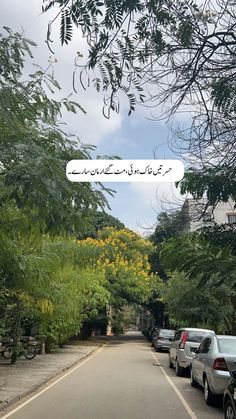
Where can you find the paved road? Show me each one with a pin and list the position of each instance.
(121, 381)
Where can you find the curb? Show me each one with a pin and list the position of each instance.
(7, 403)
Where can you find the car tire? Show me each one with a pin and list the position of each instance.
(7, 353)
(210, 398)
(229, 410)
(178, 369)
(193, 382)
(170, 363)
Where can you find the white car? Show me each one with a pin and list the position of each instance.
(182, 350)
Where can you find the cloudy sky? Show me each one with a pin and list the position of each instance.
(133, 137)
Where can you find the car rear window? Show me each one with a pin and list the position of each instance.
(227, 346)
(166, 332)
(197, 336)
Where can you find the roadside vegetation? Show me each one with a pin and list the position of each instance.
(60, 269)
(198, 275)
(54, 276)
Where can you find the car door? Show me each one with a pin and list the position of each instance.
(201, 358)
(174, 345)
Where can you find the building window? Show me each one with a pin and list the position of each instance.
(232, 218)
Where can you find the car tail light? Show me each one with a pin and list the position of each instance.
(220, 364)
(184, 339)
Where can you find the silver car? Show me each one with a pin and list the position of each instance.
(162, 339)
(185, 343)
(215, 357)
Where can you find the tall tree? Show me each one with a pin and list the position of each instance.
(34, 150)
(132, 42)
(123, 258)
(183, 52)
(207, 261)
(36, 199)
(168, 225)
(99, 220)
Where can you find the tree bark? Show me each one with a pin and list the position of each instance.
(16, 332)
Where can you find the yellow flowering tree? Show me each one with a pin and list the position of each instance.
(122, 257)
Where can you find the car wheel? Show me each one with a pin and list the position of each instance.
(170, 363)
(7, 353)
(229, 411)
(209, 397)
(193, 382)
(178, 369)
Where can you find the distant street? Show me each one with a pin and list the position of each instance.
(121, 381)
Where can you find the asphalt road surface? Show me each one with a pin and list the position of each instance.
(126, 379)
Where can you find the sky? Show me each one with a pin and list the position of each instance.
(129, 137)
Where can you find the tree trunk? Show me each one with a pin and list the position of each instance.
(16, 332)
(233, 329)
(108, 313)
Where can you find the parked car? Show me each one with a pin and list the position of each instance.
(162, 339)
(182, 350)
(211, 366)
(229, 402)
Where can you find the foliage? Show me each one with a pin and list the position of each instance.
(98, 221)
(38, 202)
(58, 289)
(168, 225)
(34, 151)
(123, 257)
(77, 294)
(136, 42)
(119, 321)
(177, 56)
(205, 306)
(208, 264)
(223, 235)
(102, 220)
(198, 257)
(216, 183)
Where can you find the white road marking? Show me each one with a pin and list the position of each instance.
(185, 404)
(50, 385)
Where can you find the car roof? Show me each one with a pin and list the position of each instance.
(169, 330)
(196, 329)
(225, 336)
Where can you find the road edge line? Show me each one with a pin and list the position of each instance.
(182, 399)
(61, 375)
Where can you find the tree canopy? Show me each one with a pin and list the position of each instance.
(123, 257)
(37, 203)
(34, 149)
(202, 264)
(176, 56)
(172, 45)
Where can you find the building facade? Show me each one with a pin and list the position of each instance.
(199, 215)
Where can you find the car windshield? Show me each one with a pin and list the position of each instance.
(197, 336)
(167, 332)
(227, 346)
